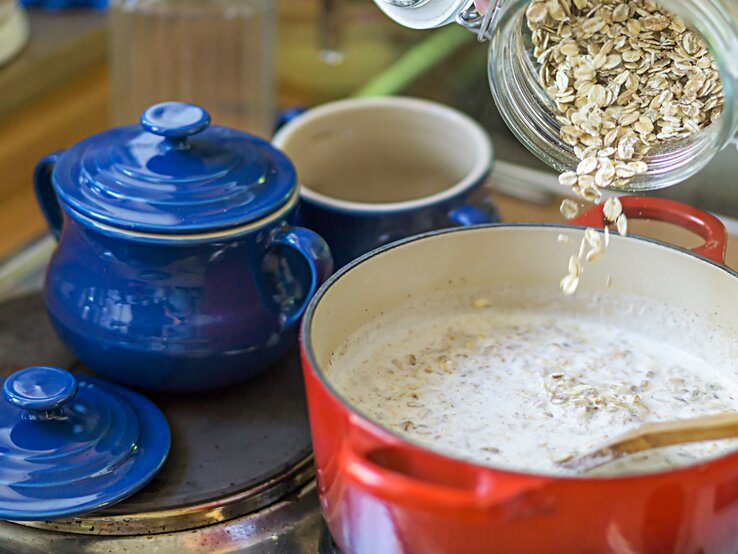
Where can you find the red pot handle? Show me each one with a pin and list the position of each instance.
(707, 226)
(404, 489)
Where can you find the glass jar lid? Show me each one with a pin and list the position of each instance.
(72, 446)
(174, 174)
(422, 14)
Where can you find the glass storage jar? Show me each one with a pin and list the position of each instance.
(214, 53)
(531, 114)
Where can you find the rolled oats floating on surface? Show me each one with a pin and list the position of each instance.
(626, 76)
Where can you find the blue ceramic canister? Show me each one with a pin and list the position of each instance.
(178, 267)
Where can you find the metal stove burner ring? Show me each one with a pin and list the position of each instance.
(188, 517)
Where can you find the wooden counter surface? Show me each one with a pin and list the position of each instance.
(74, 111)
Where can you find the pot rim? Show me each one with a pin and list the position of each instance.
(315, 368)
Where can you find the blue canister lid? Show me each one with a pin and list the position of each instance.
(174, 173)
(71, 446)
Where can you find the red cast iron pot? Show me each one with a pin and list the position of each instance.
(381, 494)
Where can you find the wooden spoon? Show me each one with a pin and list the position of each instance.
(656, 435)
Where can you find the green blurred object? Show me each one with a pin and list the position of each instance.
(416, 61)
(364, 43)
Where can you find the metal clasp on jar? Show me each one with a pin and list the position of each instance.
(478, 23)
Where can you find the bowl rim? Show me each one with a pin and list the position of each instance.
(422, 108)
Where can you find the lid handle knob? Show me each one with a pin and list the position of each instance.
(41, 390)
(175, 121)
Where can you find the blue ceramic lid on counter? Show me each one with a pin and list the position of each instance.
(72, 446)
(174, 174)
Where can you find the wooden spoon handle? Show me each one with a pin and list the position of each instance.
(668, 433)
(657, 435)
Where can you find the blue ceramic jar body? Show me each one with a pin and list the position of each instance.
(177, 267)
(180, 315)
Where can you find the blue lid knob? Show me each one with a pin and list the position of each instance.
(40, 388)
(175, 120)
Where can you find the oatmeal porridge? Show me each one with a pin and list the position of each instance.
(526, 387)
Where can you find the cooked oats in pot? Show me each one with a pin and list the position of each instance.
(522, 388)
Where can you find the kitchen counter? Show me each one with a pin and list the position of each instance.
(80, 107)
(62, 46)
(51, 122)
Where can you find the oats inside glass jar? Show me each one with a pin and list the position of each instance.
(625, 78)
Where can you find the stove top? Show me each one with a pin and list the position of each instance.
(327, 545)
(240, 470)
